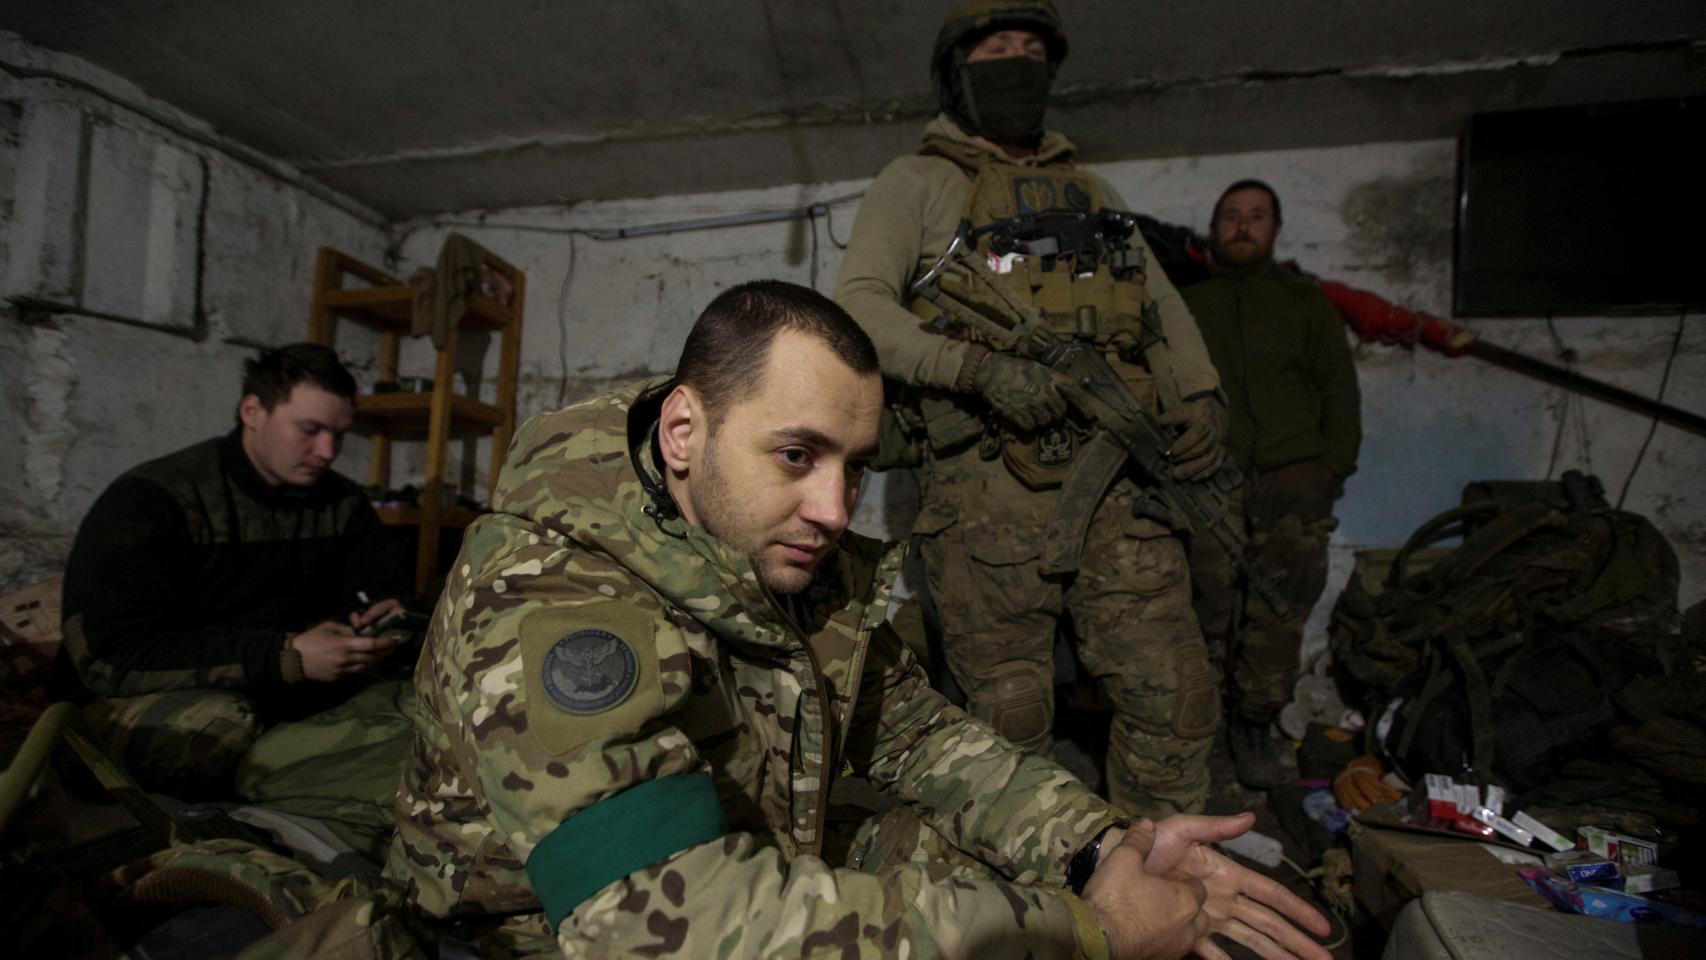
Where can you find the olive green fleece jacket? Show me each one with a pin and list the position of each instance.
(1285, 366)
(907, 219)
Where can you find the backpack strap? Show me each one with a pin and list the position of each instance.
(1444, 525)
(1481, 734)
(1498, 535)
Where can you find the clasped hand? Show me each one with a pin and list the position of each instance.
(331, 649)
(1161, 891)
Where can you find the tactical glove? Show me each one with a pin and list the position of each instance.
(1022, 391)
(1198, 451)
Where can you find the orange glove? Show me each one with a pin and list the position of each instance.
(1359, 786)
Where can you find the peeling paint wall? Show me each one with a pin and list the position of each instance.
(141, 261)
(1378, 216)
(126, 320)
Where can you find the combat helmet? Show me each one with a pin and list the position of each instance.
(970, 21)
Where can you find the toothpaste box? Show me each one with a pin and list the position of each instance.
(1442, 796)
(1506, 829)
(1645, 878)
(1495, 799)
(1616, 846)
(1581, 866)
(1542, 832)
(1472, 826)
(1468, 798)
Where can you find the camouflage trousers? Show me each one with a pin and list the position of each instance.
(1288, 515)
(186, 743)
(983, 533)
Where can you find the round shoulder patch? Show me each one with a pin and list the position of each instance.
(589, 671)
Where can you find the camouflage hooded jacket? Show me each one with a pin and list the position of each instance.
(671, 799)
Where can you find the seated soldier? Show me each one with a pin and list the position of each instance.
(230, 584)
(659, 653)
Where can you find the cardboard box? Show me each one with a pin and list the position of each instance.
(1393, 867)
(1582, 866)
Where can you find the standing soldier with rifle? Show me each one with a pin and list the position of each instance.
(1031, 512)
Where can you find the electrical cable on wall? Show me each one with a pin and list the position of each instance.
(829, 227)
(811, 224)
(1652, 428)
(563, 323)
(1568, 356)
(809, 213)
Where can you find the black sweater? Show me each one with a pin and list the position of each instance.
(190, 571)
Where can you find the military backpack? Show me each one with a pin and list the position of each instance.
(1504, 658)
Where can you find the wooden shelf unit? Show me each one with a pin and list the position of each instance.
(384, 304)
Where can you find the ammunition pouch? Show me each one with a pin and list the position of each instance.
(1052, 241)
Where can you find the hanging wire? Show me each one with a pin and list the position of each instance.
(1568, 356)
(809, 213)
(1583, 437)
(829, 226)
(1652, 428)
(811, 224)
(1563, 407)
(563, 323)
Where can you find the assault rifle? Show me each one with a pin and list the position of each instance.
(1096, 392)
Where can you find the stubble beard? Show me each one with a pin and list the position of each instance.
(1249, 252)
(715, 504)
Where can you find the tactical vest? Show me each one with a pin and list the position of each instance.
(1101, 301)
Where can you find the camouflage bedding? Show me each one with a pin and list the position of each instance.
(340, 766)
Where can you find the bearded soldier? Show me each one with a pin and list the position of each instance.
(1006, 474)
(1295, 429)
(656, 658)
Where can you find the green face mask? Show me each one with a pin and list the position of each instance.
(1005, 98)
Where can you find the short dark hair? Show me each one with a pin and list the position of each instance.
(272, 375)
(1247, 184)
(724, 356)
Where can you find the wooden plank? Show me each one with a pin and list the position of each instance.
(379, 458)
(409, 415)
(432, 500)
(392, 308)
(348, 264)
(386, 309)
(321, 328)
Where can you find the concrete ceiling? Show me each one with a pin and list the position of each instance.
(418, 107)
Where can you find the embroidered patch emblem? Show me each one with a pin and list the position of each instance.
(589, 671)
(1054, 447)
(1033, 194)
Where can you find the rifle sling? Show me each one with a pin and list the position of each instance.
(1100, 461)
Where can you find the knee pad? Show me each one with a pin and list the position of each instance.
(1171, 692)
(1020, 702)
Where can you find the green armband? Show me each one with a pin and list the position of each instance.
(630, 831)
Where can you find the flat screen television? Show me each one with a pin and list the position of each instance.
(1582, 210)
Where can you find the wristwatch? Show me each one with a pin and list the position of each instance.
(1083, 863)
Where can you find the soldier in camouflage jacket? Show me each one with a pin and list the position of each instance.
(632, 711)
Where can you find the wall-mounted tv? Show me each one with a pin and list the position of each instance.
(1582, 210)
